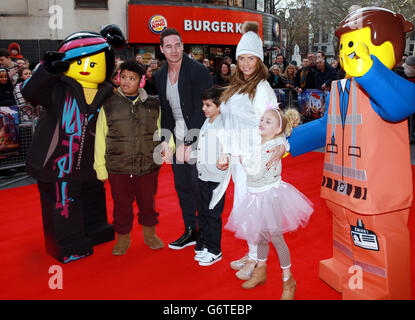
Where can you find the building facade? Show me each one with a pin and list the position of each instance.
(40, 25)
(209, 28)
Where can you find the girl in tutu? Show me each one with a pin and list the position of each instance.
(271, 207)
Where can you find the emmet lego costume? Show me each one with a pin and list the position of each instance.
(70, 85)
(367, 179)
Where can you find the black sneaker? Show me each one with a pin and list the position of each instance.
(187, 239)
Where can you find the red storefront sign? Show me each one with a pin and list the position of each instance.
(196, 25)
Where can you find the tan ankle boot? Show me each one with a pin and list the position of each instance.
(288, 289)
(259, 276)
(123, 243)
(151, 239)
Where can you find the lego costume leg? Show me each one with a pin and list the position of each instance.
(63, 221)
(95, 212)
(386, 271)
(371, 255)
(334, 271)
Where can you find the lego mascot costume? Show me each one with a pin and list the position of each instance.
(367, 179)
(70, 85)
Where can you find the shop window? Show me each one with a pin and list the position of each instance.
(91, 4)
(220, 2)
(250, 4)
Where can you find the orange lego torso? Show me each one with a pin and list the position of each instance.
(367, 166)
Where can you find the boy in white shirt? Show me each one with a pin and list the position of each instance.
(208, 244)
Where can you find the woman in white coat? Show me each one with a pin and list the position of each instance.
(242, 106)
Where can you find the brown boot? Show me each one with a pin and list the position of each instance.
(123, 243)
(151, 239)
(259, 276)
(288, 289)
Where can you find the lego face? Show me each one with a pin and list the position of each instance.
(88, 70)
(351, 63)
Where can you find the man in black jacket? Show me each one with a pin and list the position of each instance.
(180, 83)
(324, 75)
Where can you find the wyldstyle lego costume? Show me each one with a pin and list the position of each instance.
(367, 179)
(70, 85)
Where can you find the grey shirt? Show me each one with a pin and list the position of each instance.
(172, 94)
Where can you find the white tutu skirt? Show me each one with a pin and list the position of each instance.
(275, 211)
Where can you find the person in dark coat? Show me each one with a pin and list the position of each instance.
(6, 89)
(180, 83)
(275, 79)
(324, 75)
(223, 75)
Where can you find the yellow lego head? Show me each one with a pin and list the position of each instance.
(88, 70)
(371, 31)
(90, 54)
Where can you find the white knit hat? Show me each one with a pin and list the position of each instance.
(250, 42)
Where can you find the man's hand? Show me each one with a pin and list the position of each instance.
(183, 153)
(166, 152)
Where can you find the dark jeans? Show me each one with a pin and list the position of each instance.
(187, 188)
(210, 221)
(126, 188)
(74, 216)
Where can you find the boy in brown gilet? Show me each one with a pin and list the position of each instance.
(124, 154)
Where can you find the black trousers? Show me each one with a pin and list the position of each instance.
(210, 220)
(187, 188)
(74, 216)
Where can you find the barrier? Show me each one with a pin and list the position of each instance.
(17, 125)
(310, 103)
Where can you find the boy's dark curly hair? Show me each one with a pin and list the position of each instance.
(133, 66)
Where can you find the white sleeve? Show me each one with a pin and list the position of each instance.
(264, 95)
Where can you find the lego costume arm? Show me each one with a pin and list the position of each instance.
(309, 136)
(392, 97)
(39, 87)
(100, 146)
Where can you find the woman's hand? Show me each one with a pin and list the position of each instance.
(278, 152)
(223, 162)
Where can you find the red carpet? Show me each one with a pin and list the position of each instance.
(164, 274)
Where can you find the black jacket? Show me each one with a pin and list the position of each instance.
(194, 78)
(325, 77)
(63, 143)
(309, 78)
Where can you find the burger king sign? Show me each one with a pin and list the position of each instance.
(157, 23)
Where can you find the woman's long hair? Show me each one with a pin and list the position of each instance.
(238, 84)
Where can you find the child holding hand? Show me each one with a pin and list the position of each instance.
(271, 207)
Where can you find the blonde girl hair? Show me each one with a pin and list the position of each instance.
(290, 118)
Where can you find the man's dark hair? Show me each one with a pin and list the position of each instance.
(133, 66)
(4, 53)
(169, 32)
(213, 94)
